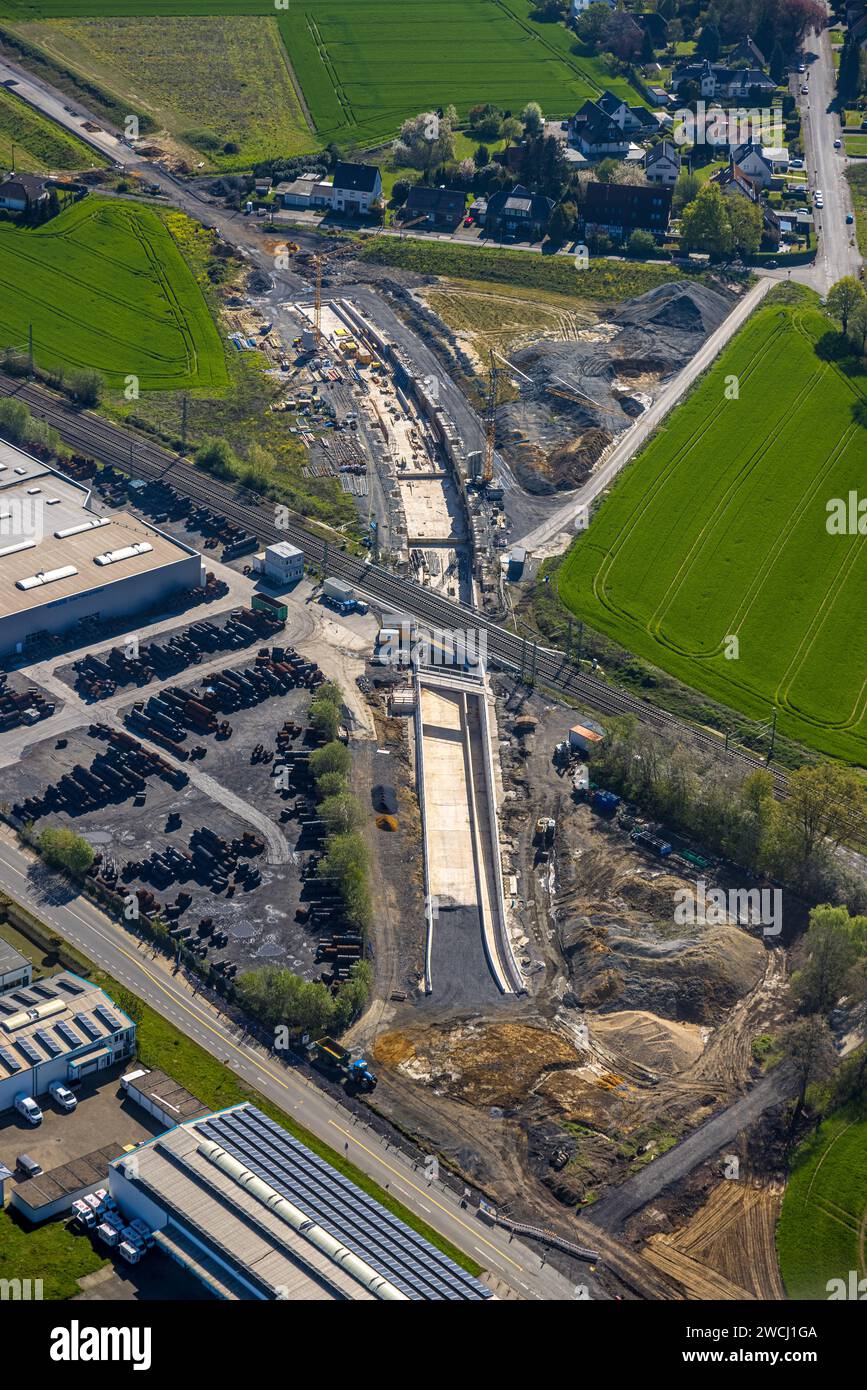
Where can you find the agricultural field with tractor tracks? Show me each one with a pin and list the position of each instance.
(712, 557)
(108, 289)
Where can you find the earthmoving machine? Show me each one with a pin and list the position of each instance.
(331, 1056)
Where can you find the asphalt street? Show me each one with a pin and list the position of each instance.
(838, 251)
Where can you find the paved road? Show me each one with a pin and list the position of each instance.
(722, 1129)
(838, 251)
(566, 518)
(60, 109)
(148, 976)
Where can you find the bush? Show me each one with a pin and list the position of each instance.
(341, 813)
(66, 850)
(333, 757)
(86, 387)
(641, 243)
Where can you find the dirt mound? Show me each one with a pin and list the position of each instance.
(686, 307)
(655, 1042)
(571, 402)
(483, 1064)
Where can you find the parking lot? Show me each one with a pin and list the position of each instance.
(101, 1117)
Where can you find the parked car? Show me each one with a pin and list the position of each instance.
(838, 144)
(805, 90)
(849, 219)
(62, 1095)
(28, 1166)
(796, 164)
(802, 67)
(27, 1107)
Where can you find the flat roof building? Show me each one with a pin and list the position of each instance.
(255, 1214)
(62, 561)
(15, 969)
(59, 1029)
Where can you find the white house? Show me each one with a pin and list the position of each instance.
(579, 6)
(662, 164)
(21, 192)
(355, 187)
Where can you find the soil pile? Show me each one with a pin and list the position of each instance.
(581, 394)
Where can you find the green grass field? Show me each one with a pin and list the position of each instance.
(365, 65)
(718, 530)
(217, 89)
(106, 287)
(40, 146)
(821, 1230)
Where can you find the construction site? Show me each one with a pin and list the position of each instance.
(618, 1035)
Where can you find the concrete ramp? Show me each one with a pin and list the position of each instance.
(468, 940)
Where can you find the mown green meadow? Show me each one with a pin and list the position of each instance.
(820, 1233)
(107, 288)
(718, 531)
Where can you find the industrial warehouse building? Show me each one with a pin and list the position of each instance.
(60, 1029)
(62, 563)
(254, 1214)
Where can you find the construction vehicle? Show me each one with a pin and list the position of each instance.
(331, 1056)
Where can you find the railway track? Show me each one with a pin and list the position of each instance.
(140, 458)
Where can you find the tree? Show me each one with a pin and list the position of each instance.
(561, 222)
(745, 220)
(425, 142)
(623, 36)
(858, 326)
(777, 62)
(341, 813)
(345, 865)
(648, 52)
(590, 26)
(217, 457)
(809, 1047)
(843, 299)
(332, 757)
(705, 224)
(324, 717)
(87, 388)
(532, 119)
(826, 804)
(66, 850)
(482, 156)
(330, 784)
(685, 189)
(641, 243)
(832, 946)
(708, 44)
(277, 997)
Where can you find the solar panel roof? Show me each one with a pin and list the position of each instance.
(50, 1043)
(357, 1220)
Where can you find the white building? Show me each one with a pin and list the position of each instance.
(62, 1028)
(255, 1214)
(15, 969)
(662, 164)
(579, 6)
(62, 563)
(283, 563)
(356, 187)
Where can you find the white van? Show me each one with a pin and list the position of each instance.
(26, 1106)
